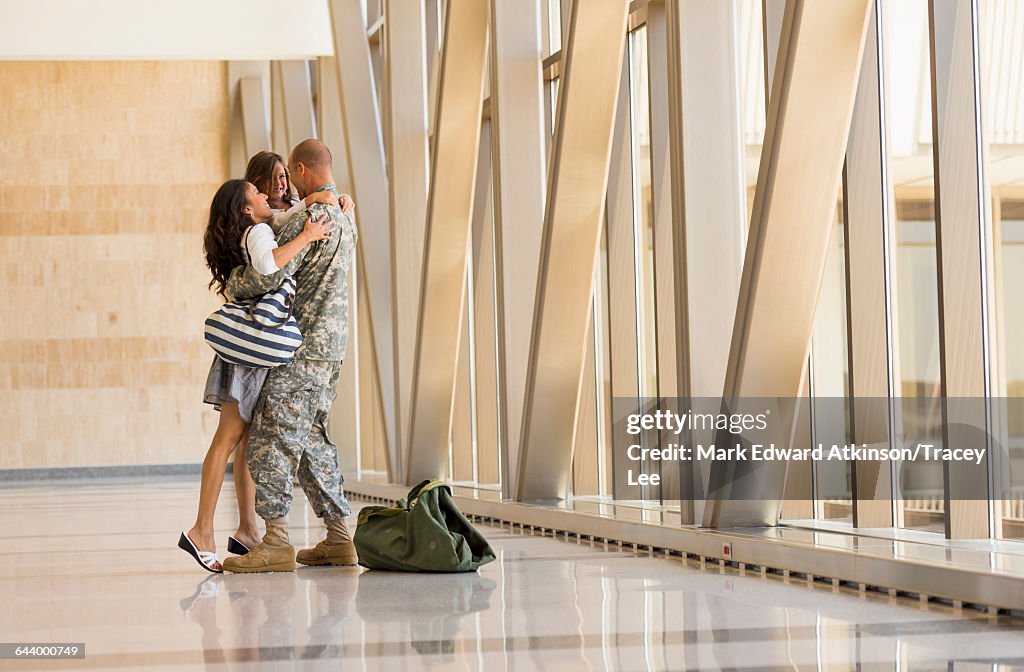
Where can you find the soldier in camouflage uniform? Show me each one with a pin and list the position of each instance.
(288, 435)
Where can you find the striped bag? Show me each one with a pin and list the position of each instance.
(261, 333)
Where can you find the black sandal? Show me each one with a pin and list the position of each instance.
(236, 547)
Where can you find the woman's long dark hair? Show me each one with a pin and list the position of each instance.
(260, 172)
(223, 237)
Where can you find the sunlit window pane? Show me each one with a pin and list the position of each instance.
(916, 302)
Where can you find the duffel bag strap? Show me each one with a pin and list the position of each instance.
(425, 486)
(369, 512)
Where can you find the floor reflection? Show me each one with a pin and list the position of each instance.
(117, 582)
(200, 608)
(428, 608)
(335, 590)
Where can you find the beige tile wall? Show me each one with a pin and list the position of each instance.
(106, 174)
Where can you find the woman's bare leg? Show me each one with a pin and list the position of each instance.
(230, 430)
(248, 531)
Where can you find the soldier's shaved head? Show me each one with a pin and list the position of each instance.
(310, 166)
(311, 153)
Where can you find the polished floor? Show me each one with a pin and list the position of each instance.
(96, 562)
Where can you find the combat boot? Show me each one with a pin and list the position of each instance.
(274, 554)
(336, 549)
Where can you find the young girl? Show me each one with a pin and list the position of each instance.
(239, 215)
(268, 172)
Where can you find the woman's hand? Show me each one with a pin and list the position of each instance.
(318, 229)
(325, 197)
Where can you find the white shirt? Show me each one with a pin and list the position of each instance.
(260, 243)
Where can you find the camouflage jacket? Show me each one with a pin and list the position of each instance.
(321, 271)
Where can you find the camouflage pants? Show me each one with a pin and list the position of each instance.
(288, 435)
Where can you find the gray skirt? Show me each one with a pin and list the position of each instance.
(229, 382)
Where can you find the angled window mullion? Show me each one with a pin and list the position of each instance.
(297, 101)
(255, 120)
(518, 139)
(577, 181)
(620, 235)
(353, 72)
(453, 166)
(794, 207)
(964, 249)
(708, 207)
(868, 203)
(486, 396)
(405, 133)
(344, 420)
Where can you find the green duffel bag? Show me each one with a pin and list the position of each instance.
(425, 533)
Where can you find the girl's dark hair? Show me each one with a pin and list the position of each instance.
(260, 172)
(223, 237)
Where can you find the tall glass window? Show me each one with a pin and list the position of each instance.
(643, 214)
(1001, 24)
(752, 91)
(1009, 431)
(916, 304)
(552, 23)
(830, 384)
(377, 52)
(625, 336)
